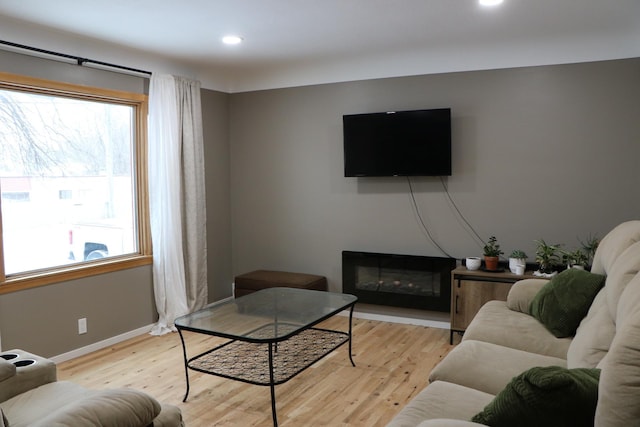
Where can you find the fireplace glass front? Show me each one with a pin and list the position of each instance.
(398, 280)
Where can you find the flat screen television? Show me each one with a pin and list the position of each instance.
(402, 143)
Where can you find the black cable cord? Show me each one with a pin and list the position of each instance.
(453, 203)
(424, 227)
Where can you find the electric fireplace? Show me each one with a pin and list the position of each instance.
(398, 280)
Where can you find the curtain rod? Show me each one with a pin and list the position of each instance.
(79, 60)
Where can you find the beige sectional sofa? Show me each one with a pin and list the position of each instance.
(30, 395)
(504, 340)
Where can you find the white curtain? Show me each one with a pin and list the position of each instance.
(177, 199)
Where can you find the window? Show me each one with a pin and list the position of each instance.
(73, 181)
(19, 196)
(64, 194)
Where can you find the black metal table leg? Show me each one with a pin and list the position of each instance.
(186, 364)
(272, 386)
(350, 327)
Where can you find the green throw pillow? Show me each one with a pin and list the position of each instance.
(564, 301)
(548, 396)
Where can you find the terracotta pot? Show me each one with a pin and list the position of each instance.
(491, 262)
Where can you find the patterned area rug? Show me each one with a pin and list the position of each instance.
(249, 362)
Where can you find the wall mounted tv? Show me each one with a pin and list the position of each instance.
(399, 143)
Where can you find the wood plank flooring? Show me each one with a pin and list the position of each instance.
(392, 360)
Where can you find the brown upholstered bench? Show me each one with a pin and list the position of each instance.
(261, 279)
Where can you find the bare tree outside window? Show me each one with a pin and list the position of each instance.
(67, 180)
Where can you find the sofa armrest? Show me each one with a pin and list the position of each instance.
(7, 370)
(522, 293)
(31, 371)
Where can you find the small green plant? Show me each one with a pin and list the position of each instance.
(575, 258)
(492, 248)
(517, 253)
(589, 247)
(547, 256)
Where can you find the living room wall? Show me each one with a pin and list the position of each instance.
(546, 152)
(43, 320)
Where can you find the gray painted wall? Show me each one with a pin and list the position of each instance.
(41, 68)
(215, 117)
(547, 152)
(44, 320)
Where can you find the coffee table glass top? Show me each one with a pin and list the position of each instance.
(268, 315)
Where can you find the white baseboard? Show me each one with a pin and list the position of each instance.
(112, 341)
(407, 316)
(101, 344)
(146, 329)
(399, 319)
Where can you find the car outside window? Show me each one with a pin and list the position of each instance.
(72, 178)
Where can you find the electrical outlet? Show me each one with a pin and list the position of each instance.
(82, 326)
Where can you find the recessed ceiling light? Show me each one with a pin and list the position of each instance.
(490, 2)
(232, 40)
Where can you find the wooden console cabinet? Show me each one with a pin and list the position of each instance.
(471, 289)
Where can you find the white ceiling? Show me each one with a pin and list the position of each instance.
(297, 42)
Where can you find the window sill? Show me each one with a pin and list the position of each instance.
(36, 279)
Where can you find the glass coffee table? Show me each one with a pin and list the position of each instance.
(272, 335)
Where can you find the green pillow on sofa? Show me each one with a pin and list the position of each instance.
(548, 396)
(564, 301)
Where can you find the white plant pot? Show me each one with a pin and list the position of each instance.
(515, 262)
(473, 263)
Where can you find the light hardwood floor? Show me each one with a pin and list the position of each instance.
(392, 360)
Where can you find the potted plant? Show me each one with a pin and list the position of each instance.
(547, 257)
(575, 259)
(589, 247)
(517, 257)
(492, 253)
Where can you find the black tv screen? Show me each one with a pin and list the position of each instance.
(402, 143)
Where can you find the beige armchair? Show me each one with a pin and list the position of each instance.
(30, 395)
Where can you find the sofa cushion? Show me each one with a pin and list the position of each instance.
(120, 407)
(613, 244)
(170, 416)
(610, 308)
(441, 422)
(522, 293)
(487, 367)
(620, 379)
(564, 301)
(496, 324)
(441, 400)
(593, 337)
(624, 270)
(63, 403)
(545, 396)
(36, 403)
